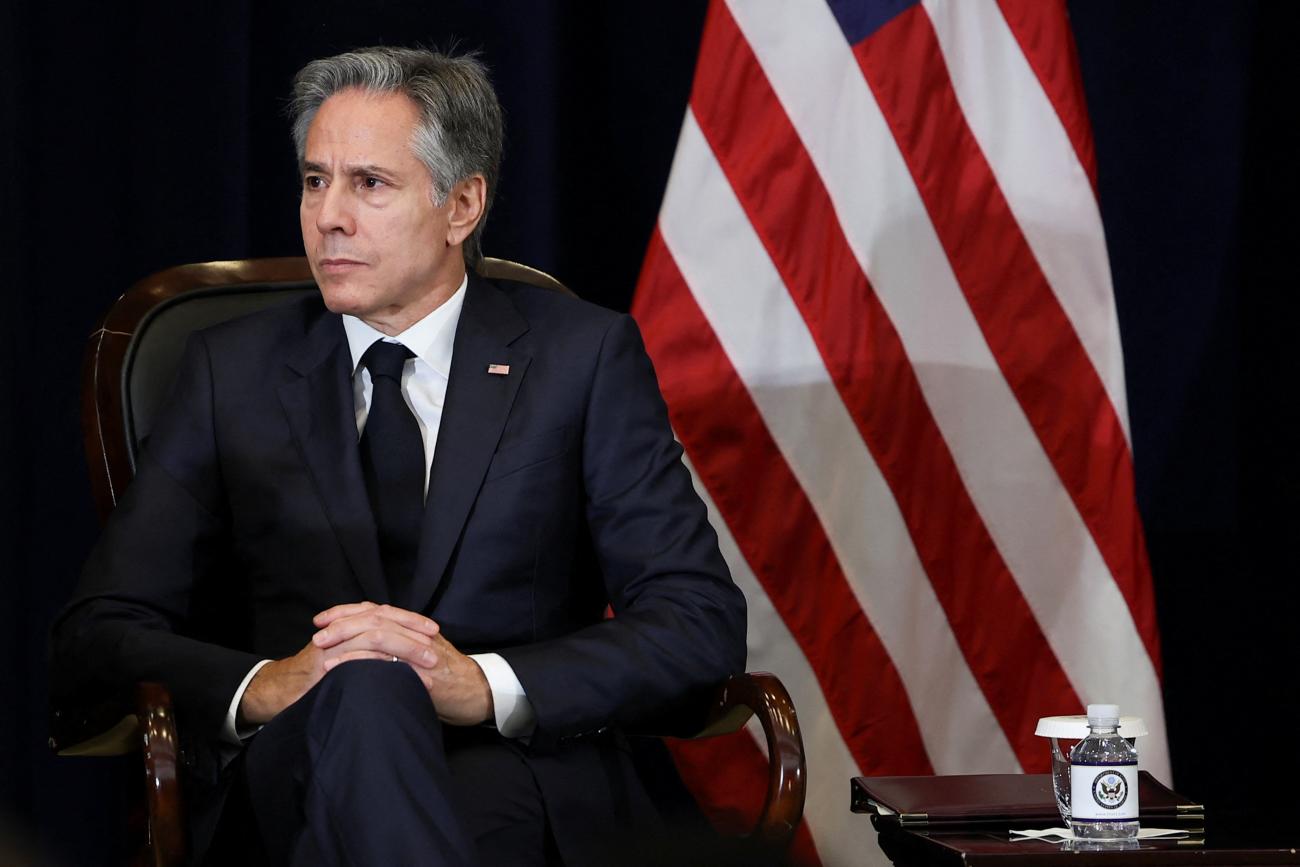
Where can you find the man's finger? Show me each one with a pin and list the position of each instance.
(425, 677)
(333, 662)
(387, 642)
(409, 619)
(329, 615)
(348, 628)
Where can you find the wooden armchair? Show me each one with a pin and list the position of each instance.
(129, 361)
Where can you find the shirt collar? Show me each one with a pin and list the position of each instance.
(430, 339)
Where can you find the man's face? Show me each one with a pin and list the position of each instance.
(377, 243)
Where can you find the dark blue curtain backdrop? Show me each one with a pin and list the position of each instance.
(138, 136)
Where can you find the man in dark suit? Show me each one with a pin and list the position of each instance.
(372, 539)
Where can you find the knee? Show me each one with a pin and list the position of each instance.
(370, 685)
(373, 702)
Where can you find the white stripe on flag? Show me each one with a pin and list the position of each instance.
(837, 833)
(759, 327)
(1039, 173)
(1029, 514)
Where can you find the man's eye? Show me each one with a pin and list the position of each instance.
(372, 183)
(313, 182)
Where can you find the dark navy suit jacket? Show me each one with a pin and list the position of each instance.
(555, 490)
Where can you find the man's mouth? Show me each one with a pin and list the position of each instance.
(340, 265)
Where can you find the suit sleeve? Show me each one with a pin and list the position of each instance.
(679, 624)
(137, 591)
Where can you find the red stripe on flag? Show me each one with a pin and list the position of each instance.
(1042, 29)
(1030, 336)
(774, 523)
(728, 777)
(763, 159)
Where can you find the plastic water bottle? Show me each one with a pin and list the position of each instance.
(1103, 780)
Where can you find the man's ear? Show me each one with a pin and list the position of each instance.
(465, 204)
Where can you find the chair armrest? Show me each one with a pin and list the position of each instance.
(763, 695)
(162, 773)
(147, 726)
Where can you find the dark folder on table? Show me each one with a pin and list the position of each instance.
(1000, 801)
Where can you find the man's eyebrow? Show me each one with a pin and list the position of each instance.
(367, 169)
(370, 169)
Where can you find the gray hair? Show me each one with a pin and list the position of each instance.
(460, 127)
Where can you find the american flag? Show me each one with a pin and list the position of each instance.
(879, 304)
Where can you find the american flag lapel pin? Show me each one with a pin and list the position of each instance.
(499, 369)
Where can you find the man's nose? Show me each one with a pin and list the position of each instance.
(335, 214)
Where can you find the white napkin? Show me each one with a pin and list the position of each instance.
(1067, 834)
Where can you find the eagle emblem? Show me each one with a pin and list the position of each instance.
(1110, 790)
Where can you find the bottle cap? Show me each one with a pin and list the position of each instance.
(1106, 715)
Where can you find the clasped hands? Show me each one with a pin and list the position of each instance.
(364, 630)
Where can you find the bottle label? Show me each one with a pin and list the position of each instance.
(1103, 793)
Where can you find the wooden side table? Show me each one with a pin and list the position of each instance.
(908, 848)
(935, 821)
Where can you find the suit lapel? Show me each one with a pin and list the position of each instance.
(474, 415)
(318, 402)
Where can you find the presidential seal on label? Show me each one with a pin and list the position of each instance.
(1103, 793)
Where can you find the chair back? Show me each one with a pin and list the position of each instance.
(131, 357)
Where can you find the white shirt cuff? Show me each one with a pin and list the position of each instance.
(513, 712)
(232, 732)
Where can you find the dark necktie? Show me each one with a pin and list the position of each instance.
(392, 459)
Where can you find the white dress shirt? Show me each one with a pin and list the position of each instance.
(424, 385)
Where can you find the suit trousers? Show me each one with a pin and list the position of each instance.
(361, 771)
